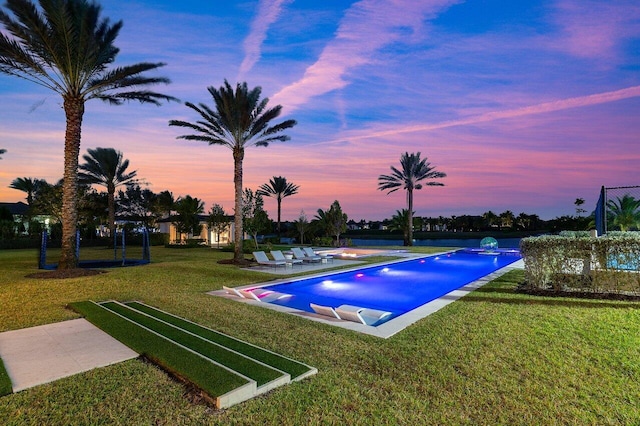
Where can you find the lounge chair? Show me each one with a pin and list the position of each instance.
(261, 295)
(277, 255)
(324, 310)
(262, 259)
(232, 291)
(299, 254)
(308, 251)
(362, 315)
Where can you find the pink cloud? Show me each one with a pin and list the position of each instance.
(594, 29)
(268, 12)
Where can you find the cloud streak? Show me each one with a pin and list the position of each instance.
(268, 12)
(577, 102)
(367, 26)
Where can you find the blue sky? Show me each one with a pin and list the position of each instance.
(525, 105)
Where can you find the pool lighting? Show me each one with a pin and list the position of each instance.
(359, 275)
(327, 282)
(385, 269)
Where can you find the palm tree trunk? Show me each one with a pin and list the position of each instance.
(111, 206)
(279, 210)
(410, 216)
(74, 110)
(238, 237)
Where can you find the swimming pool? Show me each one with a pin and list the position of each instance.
(397, 287)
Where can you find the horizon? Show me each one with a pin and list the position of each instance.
(525, 107)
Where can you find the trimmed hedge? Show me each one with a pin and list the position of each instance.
(608, 264)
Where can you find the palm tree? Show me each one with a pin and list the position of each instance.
(105, 167)
(279, 188)
(414, 170)
(2, 151)
(27, 185)
(625, 212)
(400, 222)
(187, 220)
(240, 119)
(65, 46)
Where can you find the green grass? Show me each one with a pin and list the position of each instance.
(176, 359)
(5, 381)
(492, 357)
(294, 368)
(245, 366)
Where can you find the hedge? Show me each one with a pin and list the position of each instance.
(609, 264)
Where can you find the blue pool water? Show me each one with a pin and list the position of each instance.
(398, 287)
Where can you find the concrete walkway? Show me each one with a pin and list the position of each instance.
(37, 355)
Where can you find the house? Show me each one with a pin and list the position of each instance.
(208, 236)
(20, 212)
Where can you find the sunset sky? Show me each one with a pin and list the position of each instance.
(525, 105)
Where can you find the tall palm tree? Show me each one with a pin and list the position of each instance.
(625, 212)
(239, 119)
(413, 171)
(65, 46)
(105, 167)
(279, 188)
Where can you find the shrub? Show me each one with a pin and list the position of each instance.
(608, 264)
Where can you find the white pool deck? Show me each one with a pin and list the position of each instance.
(388, 328)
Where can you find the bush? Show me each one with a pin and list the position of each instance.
(248, 247)
(608, 264)
(323, 242)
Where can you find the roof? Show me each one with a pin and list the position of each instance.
(19, 208)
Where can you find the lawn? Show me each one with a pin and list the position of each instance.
(493, 357)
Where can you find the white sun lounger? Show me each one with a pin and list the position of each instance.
(362, 315)
(262, 259)
(278, 256)
(232, 291)
(324, 257)
(299, 254)
(261, 295)
(324, 310)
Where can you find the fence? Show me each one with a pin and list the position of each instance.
(618, 209)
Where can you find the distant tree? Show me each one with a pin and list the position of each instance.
(336, 221)
(255, 219)
(507, 219)
(139, 204)
(579, 210)
(165, 203)
(240, 119)
(278, 188)
(625, 211)
(27, 185)
(400, 222)
(66, 47)
(413, 171)
(301, 225)
(106, 167)
(2, 151)
(217, 221)
(490, 219)
(47, 199)
(187, 220)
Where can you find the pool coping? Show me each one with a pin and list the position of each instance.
(388, 328)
